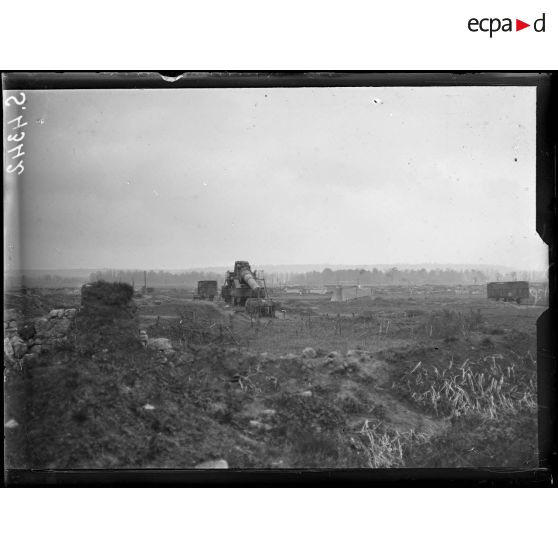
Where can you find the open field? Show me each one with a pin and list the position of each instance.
(430, 380)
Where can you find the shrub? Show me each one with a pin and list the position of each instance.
(105, 293)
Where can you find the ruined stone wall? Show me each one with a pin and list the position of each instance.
(108, 317)
(27, 337)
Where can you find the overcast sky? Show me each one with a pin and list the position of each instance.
(184, 178)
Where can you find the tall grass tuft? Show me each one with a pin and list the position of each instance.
(488, 387)
(384, 447)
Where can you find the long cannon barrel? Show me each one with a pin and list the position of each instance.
(249, 278)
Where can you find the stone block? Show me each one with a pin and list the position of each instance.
(57, 313)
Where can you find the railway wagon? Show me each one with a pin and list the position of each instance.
(508, 291)
(207, 290)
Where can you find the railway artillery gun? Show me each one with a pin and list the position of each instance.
(244, 288)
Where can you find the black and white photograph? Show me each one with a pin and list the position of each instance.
(272, 276)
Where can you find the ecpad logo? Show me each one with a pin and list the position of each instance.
(492, 25)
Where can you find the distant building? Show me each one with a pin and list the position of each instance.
(290, 290)
(343, 293)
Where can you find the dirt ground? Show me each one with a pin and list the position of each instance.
(391, 381)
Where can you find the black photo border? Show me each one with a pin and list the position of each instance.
(547, 332)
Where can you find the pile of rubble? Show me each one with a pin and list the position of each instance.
(107, 314)
(29, 337)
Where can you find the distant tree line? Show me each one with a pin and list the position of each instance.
(393, 276)
(156, 278)
(327, 276)
(47, 280)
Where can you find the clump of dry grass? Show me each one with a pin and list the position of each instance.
(488, 386)
(491, 402)
(384, 447)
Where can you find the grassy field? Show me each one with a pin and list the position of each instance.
(394, 381)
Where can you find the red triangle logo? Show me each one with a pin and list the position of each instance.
(519, 25)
